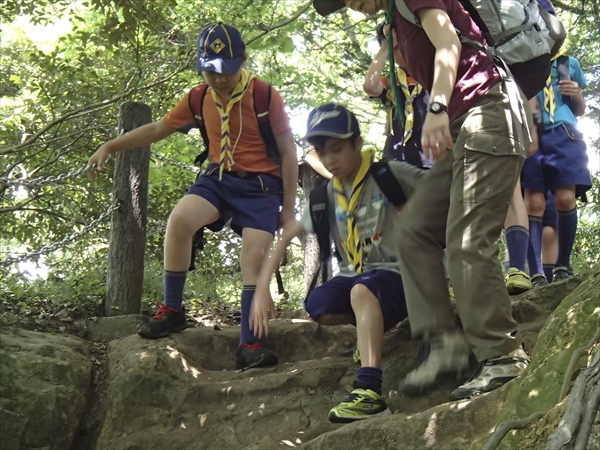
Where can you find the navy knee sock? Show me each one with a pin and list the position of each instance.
(566, 227)
(173, 290)
(534, 253)
(246, 334)
(517, 240)
(370, 378)
(548, 271)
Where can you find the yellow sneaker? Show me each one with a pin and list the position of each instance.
(360, 404)
(517, 281)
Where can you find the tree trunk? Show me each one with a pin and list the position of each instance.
(125, 274)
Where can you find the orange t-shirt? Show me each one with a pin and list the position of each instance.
(249, 149)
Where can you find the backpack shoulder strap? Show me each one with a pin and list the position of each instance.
(319, 214)
(196, 100)
(564, 70)
(387, 182)
(262, 103)
(407, 13)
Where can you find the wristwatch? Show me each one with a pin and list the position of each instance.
(437, 108)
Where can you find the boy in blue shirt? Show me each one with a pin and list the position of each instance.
(368, 290)
(559, 166)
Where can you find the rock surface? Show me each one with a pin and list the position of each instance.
(182, 392)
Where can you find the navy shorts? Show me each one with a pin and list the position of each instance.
(549, 218)
(560, 161)
(250, 200)
(333, 296)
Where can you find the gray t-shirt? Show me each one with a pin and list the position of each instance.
(375, 221)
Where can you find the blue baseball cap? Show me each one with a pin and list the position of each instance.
(221, 49)
(332, 120)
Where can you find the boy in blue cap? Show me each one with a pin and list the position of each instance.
(368, 289)
(241, 182)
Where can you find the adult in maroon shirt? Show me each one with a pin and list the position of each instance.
(477, 130)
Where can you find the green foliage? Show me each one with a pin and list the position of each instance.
(60, 98)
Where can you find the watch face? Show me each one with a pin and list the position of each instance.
(436, 107)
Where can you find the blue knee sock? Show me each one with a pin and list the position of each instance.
(246, 334)
(370, 378)
(548, 271)
(566, 227)
(173, 290)
(517, 240)
(534, 252)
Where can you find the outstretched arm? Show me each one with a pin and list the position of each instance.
(436, 135)
(144, 135)
(373, 85)
(262, 308)
(289, 175)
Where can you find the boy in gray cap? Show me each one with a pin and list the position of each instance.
(368, 289)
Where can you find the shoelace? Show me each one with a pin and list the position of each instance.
(163, 310)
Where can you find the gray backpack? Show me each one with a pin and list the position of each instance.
(520, 34)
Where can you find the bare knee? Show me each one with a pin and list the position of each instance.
(564, 199)
(535, 203)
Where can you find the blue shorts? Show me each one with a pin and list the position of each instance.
(250, 200)
(549, 218)
(333, 296)
(560, 161)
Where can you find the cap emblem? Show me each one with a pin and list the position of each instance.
(217, 45)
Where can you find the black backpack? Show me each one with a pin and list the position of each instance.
(319, 214)
(262, 101)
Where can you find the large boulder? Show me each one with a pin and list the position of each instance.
(44, 385)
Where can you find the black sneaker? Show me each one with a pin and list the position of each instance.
(166, 320)
(254, 355)
(539, 280)
(561, 273)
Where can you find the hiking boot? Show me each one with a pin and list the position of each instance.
(561, 273)
(493, 373)
(166, 320)
(356, 354)
(360, 404)
(448, 353)
(517, 281)
(254, 355)
(539, 280)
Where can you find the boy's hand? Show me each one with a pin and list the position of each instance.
(436, 138)
(261, 311)
(569, 88)
(98, 159)
(286, 216)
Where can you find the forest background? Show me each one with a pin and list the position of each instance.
(66, 66)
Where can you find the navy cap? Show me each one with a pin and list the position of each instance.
(326, 7)
(221, 49)
(331, 120)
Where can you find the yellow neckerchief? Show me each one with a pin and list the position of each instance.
(549, 100)
(353, 244)
(238, 93)
(409, 110)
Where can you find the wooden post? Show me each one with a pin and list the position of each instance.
(125, 274)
